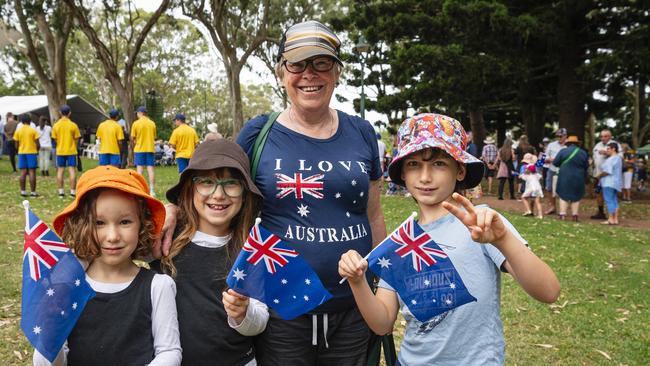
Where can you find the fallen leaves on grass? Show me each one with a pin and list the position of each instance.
(18, 355)
(544, 345)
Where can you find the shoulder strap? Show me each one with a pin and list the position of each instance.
(575, 151)
(260, 141)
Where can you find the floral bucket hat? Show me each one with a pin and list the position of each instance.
(435, 131)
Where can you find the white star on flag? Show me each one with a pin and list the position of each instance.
(354, 182)
(294, 296)
(37, 330)
(384, 262)
(427, 283)
(77, 282)
(414, 302)
(337, 195)
(434, 300)
(303, 210)
(355, 201)
(361, 194)
(239, 274)
(276, 301)
(50, 292)
(347, 214)
(307, 281)
(62, 312)
(452, 285)
(306, 298)
(74, 306)
(448, 302)
(284, 281)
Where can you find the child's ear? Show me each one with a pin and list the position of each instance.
(462, 172)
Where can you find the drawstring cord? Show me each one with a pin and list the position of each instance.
(314, 330)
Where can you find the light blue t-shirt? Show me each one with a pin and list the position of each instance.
(471, 334)
(613, 166)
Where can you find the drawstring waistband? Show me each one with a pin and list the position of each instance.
(314, 330)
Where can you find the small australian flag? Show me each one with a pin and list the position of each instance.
(420, 271)
(55, 290)
(269, 270)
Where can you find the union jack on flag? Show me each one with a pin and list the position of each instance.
(286, 283)
(415, 245)
(266, 247)
(54, 291)
(427, 282)
(42, 247)
(311, 185)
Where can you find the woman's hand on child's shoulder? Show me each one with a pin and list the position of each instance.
(352, 266)
(235, 304)
(484, 224)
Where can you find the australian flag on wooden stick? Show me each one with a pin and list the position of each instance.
(269, 270)
(420, 271)
(55, 290)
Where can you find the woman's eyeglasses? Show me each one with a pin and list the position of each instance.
(206, 186)
(320, 64)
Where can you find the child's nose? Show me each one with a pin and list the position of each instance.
(426, 173)
(219, 192)
(112, 234)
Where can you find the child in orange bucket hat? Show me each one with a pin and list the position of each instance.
(133, 318)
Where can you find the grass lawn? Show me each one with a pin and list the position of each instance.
(601, 318)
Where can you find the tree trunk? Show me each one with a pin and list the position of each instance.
(54, 102)
(590, 138)
(532, 115)
(640, 125)
(501, 128)
(234, 90)
(478, 127)
(571, 97)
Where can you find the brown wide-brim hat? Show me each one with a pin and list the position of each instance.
(574, 139)
(125, 180)
(214, 154)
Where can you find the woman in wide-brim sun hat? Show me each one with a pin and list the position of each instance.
(573, 163)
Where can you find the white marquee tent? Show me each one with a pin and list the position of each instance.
(83, 113)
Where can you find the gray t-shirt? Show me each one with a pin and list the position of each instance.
(471, 334)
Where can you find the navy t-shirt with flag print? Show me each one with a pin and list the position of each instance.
(316, 194)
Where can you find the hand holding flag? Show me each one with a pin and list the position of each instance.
(54, 291)
(269, 270)
(485, 224)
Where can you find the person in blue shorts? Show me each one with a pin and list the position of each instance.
(66, 134)
(26, 138)
(143, 136)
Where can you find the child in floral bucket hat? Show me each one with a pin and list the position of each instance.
(433, 165)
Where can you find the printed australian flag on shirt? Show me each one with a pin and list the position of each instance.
(420, 271)
(55, 290)
(269, 270)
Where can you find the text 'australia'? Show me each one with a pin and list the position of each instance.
(326, 234)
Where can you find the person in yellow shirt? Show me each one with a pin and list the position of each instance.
(110, 136)
(143, 135)
(184, 140)
(26, 138)
(66, 133)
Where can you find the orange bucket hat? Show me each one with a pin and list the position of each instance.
(124, 180)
